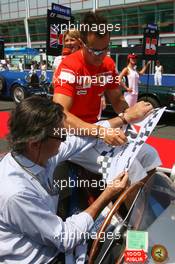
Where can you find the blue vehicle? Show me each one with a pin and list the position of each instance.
(19, 85)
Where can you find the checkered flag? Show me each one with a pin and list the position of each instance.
(104, 160)
(114, 160)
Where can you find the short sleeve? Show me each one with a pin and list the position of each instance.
(64, 80)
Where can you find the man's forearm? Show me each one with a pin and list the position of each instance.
(98, 205)
(116, 98)
(120, 106)
(117, 185)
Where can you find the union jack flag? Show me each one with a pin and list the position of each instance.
(55, 38)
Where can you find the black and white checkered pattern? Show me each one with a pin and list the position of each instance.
(143, 135)
(107, 157)
(104, 160)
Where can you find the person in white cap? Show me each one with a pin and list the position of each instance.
(132, 79)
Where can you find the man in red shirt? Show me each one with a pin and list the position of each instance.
(79, 83)
(81, 80)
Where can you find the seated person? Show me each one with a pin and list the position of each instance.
(30, 230)
(82, 79)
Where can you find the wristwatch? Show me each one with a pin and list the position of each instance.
(122, 117)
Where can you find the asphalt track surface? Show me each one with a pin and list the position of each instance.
(164, 129)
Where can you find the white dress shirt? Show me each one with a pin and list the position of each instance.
(30, 230)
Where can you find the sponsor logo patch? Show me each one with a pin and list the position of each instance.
(82, 92)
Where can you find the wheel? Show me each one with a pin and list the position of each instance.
(2, 84)
(151, 100)
(18, 93)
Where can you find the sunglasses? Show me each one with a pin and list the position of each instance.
(61, 138)
(96, 51)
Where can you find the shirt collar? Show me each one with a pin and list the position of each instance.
(28, 164)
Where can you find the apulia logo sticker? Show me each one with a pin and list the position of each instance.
(159, 253)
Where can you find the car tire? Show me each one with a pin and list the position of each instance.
(2, 84)
(18, 93)
(151, 100)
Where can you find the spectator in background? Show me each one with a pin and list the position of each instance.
(1, 67)
(71, 44)
(43, 69)
(158, 73)
(132, 79)
(9, 65)
(49, 65)
(33, 66)
(20, 65)
(43, 65)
